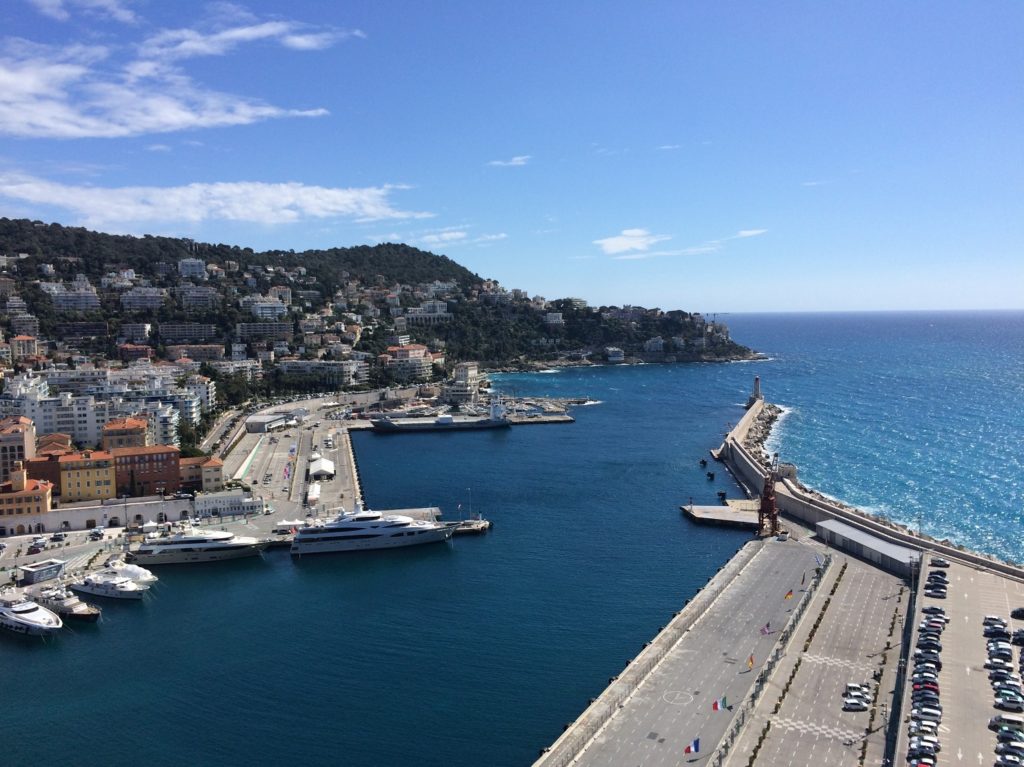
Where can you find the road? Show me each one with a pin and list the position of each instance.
(673, 705)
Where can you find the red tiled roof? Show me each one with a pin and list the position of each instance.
(147, 450)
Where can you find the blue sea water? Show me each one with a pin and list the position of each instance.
(476, 653)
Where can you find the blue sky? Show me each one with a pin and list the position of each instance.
(711, 157)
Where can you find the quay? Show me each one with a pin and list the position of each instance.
(855, 623)
(735, 513)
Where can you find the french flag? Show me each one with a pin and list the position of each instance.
(693, 747)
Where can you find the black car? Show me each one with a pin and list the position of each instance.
(1017, 612)
(933, 610)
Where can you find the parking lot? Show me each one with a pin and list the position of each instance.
(815, 714)
(965, 692)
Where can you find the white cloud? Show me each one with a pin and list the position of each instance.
(452, 236)
(711, 246)
(696, 250)
(443, 238)
(74, 92)
(514, 162)
(250, 201)
(186, 43)
(630, 239)
(105, 92)
(158, 148)
(814, 183)
(667, 147)
(58, 9)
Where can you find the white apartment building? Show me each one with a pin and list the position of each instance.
(192, 267)
(227, 503)
(205, 389)
(143, 299)
(82, 416)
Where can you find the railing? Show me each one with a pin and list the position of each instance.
(746, 708)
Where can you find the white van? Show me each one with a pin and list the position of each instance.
(1006, 720)
(926, 713)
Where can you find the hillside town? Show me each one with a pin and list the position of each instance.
(113, 371)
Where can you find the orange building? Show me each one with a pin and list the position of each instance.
(17, 443)
(23, 501)
(86, 476)
(126, 432)
(204, 473)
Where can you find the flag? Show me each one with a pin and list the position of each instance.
(803, 576)
(817, 559)
(789, 594)
(750, 662)
(719, 704)
(693, 747)
(766, 629)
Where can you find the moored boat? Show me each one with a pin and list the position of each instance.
(134, 572)
(191, 545)
(362, 529)
(66, 604)
(105, 583)
(23, 616)
(497, 419)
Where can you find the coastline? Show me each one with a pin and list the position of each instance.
(751, 434)
(533, 366)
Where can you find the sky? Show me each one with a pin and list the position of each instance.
(710, 157)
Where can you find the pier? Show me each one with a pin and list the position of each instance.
(735, 513)
(853, 623)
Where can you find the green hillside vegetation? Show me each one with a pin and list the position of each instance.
(495, 333)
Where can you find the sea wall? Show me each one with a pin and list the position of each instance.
(749, 465)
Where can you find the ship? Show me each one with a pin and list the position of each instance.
(497, 419)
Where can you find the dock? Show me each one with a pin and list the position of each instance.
(537, 418)
(735, 513)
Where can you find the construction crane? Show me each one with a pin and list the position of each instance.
(768, 513)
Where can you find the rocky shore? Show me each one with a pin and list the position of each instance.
(754, 442)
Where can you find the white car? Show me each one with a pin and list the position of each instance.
(852, 704)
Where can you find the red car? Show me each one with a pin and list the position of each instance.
(34, 550)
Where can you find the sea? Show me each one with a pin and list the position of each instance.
(478, 652)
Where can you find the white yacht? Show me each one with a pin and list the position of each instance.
(23, 616)
(61, 601)
(104, 583)
(192, 545)
(362, 529)
(136, 573)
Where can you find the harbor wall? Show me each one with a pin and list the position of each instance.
(351, 468)
(810, 508)
(577, 735)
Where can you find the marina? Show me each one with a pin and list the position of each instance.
(608, 621)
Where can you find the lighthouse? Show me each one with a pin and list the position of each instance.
(755, 395)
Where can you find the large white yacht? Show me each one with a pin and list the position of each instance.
(104, 583)
(362, 529)
(61, 601)
(192, 545)
(23, 616)
(136, 573)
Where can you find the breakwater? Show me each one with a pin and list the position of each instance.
(743, 455)
(577, 735)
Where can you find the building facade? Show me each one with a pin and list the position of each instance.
(151, 470)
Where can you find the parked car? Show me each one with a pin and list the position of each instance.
(34, 550)
(938, 562)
